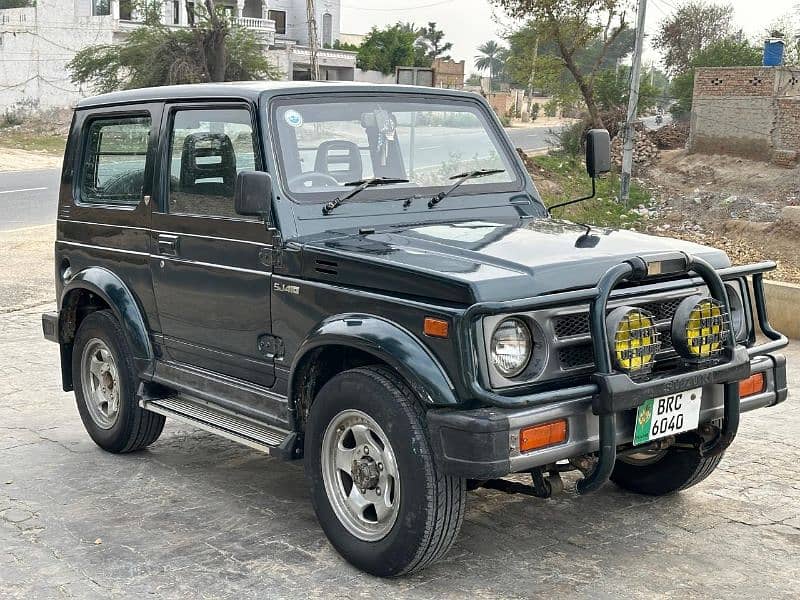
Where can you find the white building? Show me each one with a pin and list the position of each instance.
(37, 42)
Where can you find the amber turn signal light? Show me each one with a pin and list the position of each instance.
(755, 384)
(436, 327)
(542, 436)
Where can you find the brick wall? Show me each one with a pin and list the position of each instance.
(747, 111)
(449, 74)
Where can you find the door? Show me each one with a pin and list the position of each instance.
(210, 266)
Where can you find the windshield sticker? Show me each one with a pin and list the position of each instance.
(293, 118)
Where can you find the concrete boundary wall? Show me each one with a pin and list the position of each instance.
(783, 307)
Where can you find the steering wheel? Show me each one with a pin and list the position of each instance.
(314, 178)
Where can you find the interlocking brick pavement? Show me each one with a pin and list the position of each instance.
(200, 517)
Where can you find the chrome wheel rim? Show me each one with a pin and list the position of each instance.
(360, 474)
(100, 383)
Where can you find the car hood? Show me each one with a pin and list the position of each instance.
(482, 261)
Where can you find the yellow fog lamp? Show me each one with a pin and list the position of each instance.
(633, 339)
(699, 327)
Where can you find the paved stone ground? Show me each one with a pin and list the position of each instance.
(200, 517)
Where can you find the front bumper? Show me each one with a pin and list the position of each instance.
(610, 394)
(484, 443)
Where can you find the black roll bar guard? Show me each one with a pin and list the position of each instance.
(612, 391)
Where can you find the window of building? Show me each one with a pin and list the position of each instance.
(114, 160)
(190, 12)
(327, 30)
(176, 12)
(101, 8)
(125, 10)
(279, 16)
(208, 149)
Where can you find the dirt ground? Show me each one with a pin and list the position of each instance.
(730, 203)
(13, 159)
(27, 281)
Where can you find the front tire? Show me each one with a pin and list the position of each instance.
(105, 387)
(375, 487)
(669, 471)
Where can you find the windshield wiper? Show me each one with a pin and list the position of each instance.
(462, 177)
(361, 185)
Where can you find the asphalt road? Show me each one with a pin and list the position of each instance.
(29, 198)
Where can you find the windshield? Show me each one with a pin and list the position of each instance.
(324, 144)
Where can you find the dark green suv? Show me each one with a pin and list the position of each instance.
(365, 277)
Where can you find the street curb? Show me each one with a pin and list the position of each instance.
(783, 307)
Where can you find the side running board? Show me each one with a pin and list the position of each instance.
(221, 422)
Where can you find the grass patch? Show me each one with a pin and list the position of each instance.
(560, 178)
(20, 140)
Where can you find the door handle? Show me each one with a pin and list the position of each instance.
(168, 244)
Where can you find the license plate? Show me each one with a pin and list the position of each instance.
(667, 415)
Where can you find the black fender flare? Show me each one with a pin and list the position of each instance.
(386, 341)
(115, 293)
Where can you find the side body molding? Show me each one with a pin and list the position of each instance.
(115, 293)
(388, 342)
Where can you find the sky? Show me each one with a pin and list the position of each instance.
(468, 23)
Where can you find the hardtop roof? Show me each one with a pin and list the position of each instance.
(252, 90)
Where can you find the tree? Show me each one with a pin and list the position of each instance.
(154, 55)
(612, 90)
(433, 40)
(692, 27)
(394, 46)
(730, 52)
(572, 26)
(490, 59)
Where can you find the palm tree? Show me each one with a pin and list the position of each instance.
(490, 58)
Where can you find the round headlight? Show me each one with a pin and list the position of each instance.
(699, 327)
(633, 338)
(511, 347)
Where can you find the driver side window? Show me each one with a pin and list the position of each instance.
(208, 148)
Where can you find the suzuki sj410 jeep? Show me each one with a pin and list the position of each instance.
(365, 277)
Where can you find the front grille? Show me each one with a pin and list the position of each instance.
(578, 324)
(580, 355)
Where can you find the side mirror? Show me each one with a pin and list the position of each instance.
(598, 152)
(252, 195)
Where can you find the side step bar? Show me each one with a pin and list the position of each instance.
(221, 422)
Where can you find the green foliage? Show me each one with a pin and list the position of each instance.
(433, 39)
(534, 111)
(345, 46)
(612, 90)
(491, 57)
(729, 52)
(584, 34)
(570, 139)
(474, 79)
(569, 179)
(692, 27)
(154, 55)
(551, 108)
(17, 4)
(393, 46)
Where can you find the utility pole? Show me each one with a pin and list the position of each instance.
(633, 101)
(533, 74)
(312, 38)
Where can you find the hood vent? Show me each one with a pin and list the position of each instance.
(326, 267)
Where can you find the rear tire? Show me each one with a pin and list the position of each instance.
(676, 470)
(410, 530)
(105, 387)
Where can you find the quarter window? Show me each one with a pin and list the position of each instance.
(114, 161)
(208, 149)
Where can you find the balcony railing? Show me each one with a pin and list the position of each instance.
(254, 23)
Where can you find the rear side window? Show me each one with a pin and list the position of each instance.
(114, 160)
